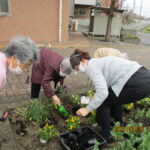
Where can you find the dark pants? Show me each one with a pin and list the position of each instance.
(35, 90)
(136, 88)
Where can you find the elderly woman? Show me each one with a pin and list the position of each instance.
(117, 81)
(105, 51)
(20, 53)
(52, 67)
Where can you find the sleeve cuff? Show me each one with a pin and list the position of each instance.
(89, 108)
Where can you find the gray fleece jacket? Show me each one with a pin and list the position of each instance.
(109, 72)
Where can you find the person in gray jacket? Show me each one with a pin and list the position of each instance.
(117, 81)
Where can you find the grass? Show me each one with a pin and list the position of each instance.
(146, 29)
(130, 37)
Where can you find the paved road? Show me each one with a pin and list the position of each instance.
(145, 38)
(138, 25)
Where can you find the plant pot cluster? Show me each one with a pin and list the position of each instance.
(81, 139)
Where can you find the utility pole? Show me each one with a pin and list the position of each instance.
(133, 6)
(121, 3)
(141, 7)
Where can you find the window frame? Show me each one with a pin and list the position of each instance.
(9, 10)
(82, 10)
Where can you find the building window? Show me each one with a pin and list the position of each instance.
(80, 12)
(4, 7)
(76, 12)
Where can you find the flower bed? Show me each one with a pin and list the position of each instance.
(41, 119)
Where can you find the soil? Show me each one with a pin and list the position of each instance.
(130, 114)
(25, 133)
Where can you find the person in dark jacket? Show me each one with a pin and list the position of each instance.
(52, 67)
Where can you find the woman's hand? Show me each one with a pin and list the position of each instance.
(83, 112)
(56, 100)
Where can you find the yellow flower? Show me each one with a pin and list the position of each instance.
(131, 104)
(93, 112)
(129, 107)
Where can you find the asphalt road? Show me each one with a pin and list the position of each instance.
(144, 37)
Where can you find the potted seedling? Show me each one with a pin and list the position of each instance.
(46, 133)
(72, 123)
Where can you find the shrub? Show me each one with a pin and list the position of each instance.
(47, 132)
(72, 123)
(75, 99)
(35, 111)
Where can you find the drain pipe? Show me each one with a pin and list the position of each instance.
(60, 21)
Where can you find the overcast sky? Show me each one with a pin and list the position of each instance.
(145, 9)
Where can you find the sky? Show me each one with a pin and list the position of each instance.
(145, 7)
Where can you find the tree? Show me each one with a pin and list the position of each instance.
(115, 4)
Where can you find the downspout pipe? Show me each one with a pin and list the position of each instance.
(60, 21)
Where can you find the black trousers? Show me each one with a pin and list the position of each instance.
(35, 90)
(136, 88)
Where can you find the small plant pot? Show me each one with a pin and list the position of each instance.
(81, 139)
(43, 141)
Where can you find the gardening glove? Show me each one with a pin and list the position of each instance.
(56, 100)
(83, 112)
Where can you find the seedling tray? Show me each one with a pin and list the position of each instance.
(81, 139)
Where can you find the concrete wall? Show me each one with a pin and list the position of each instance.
(37, 19)
(71, 11)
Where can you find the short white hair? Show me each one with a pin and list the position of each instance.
(66, 66)
(24, 49)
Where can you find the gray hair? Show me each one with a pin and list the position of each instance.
(66, 66)
(24, 49)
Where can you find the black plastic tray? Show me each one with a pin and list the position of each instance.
(81, 139)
